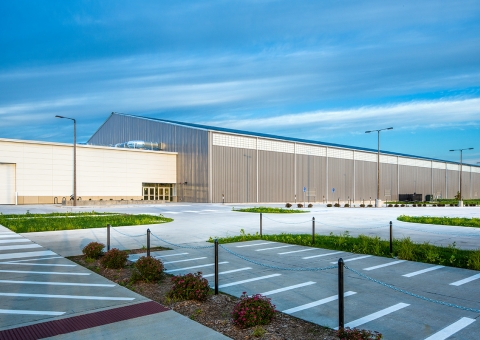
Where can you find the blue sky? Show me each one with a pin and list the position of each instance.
(321, 70)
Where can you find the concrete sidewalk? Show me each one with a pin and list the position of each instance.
(44, 295)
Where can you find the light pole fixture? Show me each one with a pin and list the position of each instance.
(377, 201)
(460, 201)
(74, 158)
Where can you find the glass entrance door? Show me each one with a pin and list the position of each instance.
(149, 193)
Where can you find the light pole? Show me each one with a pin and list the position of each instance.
(460, 201)
(74, 158)
(378, 202)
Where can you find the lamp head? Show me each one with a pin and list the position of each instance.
(390, 128)
(368, 131)
(57, 116)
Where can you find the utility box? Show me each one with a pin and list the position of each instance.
(429, 198)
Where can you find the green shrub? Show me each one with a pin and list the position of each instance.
(310, 205)
(329, 205)
(93, 250)
(396, 205)
(148, 269)
(402, 205)
(253, 311)
(299, 205)
(347, 205)
(358, 334)
(390, 205)
(288, 205)
(369, 206)
(189, 287)
(362, 205)
(406, 250)
(336, 205)
(474, 260)
(114, 259)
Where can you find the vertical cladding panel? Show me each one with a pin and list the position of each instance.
(276, 176)
(365, 181)
(439, 183)
(453, 183)
(408, 178)
(191, 145)
(234, 173)
(424, 181)
(388, 182)
(311, 175)
(476, 185)
(340, 173)
(466, 183)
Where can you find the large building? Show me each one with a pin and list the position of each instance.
(216, 165)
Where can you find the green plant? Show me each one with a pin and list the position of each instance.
(189, 287)
(148, 269)
(253, 311)
(347, 205)
(269, 210)
(406, 249)
(288, 205)
(358, 334)
(337, 205)
(329, 205)
(195, 313)
(369, 206)
(362, 205)
(454, 221)
(299, 205)
(93, 250)
(474, 260)
(114, 259)
(310, 205)
(258, 332)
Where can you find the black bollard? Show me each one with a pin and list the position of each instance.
(216, 267)
(313, 230)
(261, 225)
(148, 242)
(108, 237)
(341, 305)
(391, 238)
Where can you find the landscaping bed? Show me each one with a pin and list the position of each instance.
(215, 312)
(268, 210)
(453, 221)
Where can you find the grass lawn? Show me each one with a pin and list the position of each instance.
(267, 210)
(453, 221)
(26, 223)
(402, 248)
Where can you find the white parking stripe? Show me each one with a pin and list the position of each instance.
(297, 251)
(40, 259)
(29, 312)
(316, 303)
(171, 212)
(452, 329)
(376, 315)
(384, 265)
(171, 255)
(15, 240)
(253, 245)
(58, 283)
(192, 211)
(311, 257)
(194, 267)
(20, 246)
(271, 292)
(197, 258)
(418, 272)
(292, 245)
(26, 254)
(49, 273)
(468, 279)
(248, 280)
(76, 297)
(228, 271)
(40, 264)
(10, 236)
(353, 259)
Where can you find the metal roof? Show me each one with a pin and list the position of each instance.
(290, 139)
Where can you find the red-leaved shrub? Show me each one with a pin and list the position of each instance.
(93, 250)
(189, 287)
(253, 311)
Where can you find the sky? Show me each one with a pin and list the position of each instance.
(320, 70)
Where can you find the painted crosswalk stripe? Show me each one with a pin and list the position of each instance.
(29, 312)
(236, 283)
(376, 315)
(45, 273)
(20, 246)
(418, 272)
(468, 279)
(171, 255)
(316, 303)
(321, 255)
(284, 289)
(59, 283)
(40, 259)
(186, 260)
(297, 251)
(39, 264)
(26, 254)
(15, 240)
(452, 329)
(292, 245)
(254, 245)
(75, 297)
(384, 265)
(194, 267)
(353, 259)
(229, 271)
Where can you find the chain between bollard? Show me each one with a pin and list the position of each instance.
(108, 237)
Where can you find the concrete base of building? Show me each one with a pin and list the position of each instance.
(112, 202)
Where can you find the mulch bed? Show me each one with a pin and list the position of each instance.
(215, 312)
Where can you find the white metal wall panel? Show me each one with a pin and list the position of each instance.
(234, 141)
(476, 170)
(406, 161)
(455, 167)
(275, 146)
(365, 156)
(386, 159)
(340, 153)
(7, 183)
(304, 149)
(438, 165)
(423, 164)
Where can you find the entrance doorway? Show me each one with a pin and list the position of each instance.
(157, 192)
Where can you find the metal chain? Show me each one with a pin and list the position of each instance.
(275, 267)
(412, 294)
(268, 218)
(178, 245)
(127, 234)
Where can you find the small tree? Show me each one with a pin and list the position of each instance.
(457, 196)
